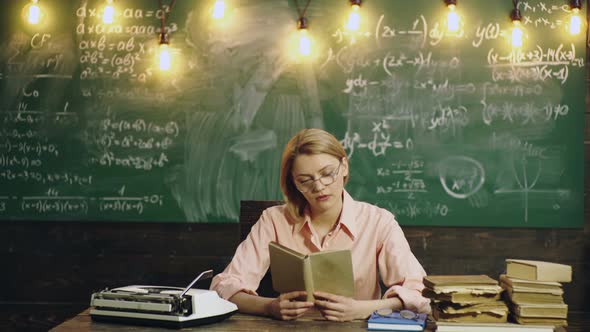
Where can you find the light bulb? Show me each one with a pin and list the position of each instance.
(218, 9)
(516, 34)
(34, 13)
(575, 22)
(354, 19)
(164, 57)
(108, 15)
(452, 19)
(304, 42)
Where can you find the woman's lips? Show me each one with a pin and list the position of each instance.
(322, 198)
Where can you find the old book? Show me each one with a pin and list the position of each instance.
(529, 283)
(497, 307)
(521, 289)
(525, 297)
(461, 298)
(548, 310)
(396, 322)
(481, 317)
(326, 271)
(532, 285)
(490, 327)
(538, 270)
(477, 284)
(540, 320)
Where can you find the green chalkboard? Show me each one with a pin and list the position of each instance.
(442, 128)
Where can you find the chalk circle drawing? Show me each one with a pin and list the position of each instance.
(461, 176)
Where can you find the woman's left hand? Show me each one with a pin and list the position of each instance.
(338, 308)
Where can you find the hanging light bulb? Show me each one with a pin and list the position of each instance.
(108, 14)
(354, 19)
(33, 12)
(304, 40)
(452, 16)
(517, 33)
(164, 57)
(218, 10)
(575, 26)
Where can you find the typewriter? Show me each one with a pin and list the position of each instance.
(172, 307)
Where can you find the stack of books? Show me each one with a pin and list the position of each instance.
(533, 291)
(465, 298)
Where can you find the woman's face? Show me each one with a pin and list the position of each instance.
(320, 178)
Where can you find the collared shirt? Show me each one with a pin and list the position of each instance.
(376, 241)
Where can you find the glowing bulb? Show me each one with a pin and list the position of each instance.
(575, 22)
(452, 19)
(354, 20)
(516, 34)
(304, 43)
(165, 58)
(218, 9)
(34, 13)
(108, 15)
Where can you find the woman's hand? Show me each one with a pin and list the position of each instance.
(339, 308)
(289, 306)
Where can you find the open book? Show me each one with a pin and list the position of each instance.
(326, 271)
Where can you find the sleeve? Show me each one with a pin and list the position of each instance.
(399, 268)
(250, 262)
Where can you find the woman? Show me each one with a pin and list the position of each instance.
(321, 215)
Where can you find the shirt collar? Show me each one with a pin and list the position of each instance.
(346, 217)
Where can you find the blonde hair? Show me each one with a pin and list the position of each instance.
(306, 141)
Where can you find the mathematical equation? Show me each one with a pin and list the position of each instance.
(46, 177)
(80, 205)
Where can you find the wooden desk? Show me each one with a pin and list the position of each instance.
(579, 322)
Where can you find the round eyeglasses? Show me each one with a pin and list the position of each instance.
(325, 179)
(388, 313)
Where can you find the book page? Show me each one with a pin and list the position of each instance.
(332, 272)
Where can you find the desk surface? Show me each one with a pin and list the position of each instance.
(578, 322)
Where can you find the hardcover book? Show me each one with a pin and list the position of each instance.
(326, 271)
(479, 284)
(538, 270)
(542, 310)
(490, 327)
(461, 297)
(395, 322)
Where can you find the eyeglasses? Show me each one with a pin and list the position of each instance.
(325, 179)
(388, 313)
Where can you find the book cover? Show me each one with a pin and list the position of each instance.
(490, 327)
(326, 271)
(542, 310)
(478, 284)
(538, 270)
(395, 322)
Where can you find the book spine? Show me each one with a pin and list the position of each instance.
(308, 279)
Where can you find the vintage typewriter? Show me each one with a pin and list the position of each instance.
(161, 306)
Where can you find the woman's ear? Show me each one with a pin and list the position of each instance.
(344, 167)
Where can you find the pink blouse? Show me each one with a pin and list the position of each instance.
(372, 234)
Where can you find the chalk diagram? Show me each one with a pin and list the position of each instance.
(525, 184)
(461, 176)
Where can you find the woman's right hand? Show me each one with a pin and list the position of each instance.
(289, 306)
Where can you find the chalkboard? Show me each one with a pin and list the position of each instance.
(442, 128)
